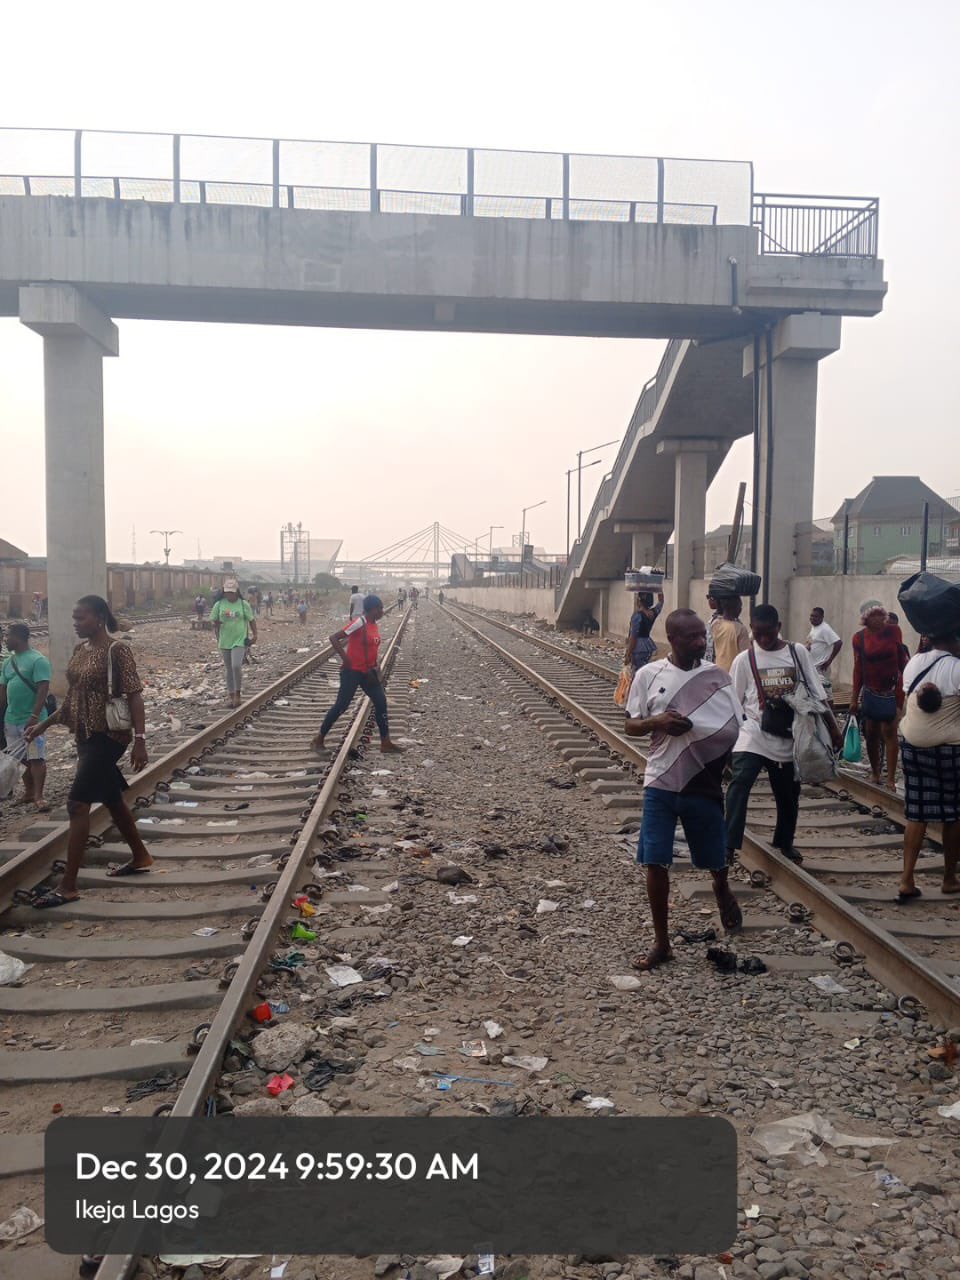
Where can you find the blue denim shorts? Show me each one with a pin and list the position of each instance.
(703, 826)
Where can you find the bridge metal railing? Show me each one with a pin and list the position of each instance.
(646, 405)
(286, 173)
(830, 226)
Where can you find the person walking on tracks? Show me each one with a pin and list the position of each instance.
(356, 603)
(104, 709)
(761, 676)
(689, 706)
(823, 645)
(24, 689)
(360, 669)
(930, 751)
(878, 663)
(232, 618)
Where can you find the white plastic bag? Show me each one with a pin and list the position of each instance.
(813, 756)
(11, 969)
(9, 773)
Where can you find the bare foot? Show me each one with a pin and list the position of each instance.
(390, 748)
(950, 886)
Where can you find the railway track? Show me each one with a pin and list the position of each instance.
(140, 986)
(39, 630)
(850, 831)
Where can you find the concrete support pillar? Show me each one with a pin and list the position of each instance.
(689, 510)
(647, 540)
(787, 444)
(76, 337)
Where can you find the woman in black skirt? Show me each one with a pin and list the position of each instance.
(101, 668)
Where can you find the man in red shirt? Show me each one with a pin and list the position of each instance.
(360, 670)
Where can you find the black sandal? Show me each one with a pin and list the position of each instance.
(52, 898)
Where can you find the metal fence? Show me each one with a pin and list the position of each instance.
(368, 176)
(873, 547)
(543, 578)
(825, 226)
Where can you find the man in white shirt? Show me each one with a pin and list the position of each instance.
(761, 676)
(823, 645)
(688, 705)
(356, 603)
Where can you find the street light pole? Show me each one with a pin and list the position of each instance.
(492, 527)
(523, 534)
(166, 534)
(596, 463)
(580, 456)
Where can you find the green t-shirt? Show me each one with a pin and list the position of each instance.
(20, 697)
(233, 617)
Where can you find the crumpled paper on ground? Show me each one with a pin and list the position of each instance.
(794, 1136)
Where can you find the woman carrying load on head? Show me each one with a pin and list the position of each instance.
(878, 664)
(101, 670)
(641, 647)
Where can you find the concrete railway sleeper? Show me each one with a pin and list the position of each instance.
(234, 831)
(914, 951)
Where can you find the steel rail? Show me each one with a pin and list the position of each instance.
(859, 789)
(884, 956)
(36, 861)
(207, 1064)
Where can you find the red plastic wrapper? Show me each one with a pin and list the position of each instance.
(279, 1084)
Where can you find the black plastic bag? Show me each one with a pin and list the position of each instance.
(932, 604)
(730, 580)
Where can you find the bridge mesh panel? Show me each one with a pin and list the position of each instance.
(511, 207)
(246, 193)
(51, 186)
(336, 198)
(325, 165)
(724, 183)
(422, 169)
(12, 186)
(419, 202)
(127, 155)
(155, 189)
(601, 210)
(226, 160)
(518, 173)
(613, 178)
(45, 151)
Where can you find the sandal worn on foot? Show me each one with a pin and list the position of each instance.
(53, 898)
(128, 869)
(652, 960)
(906, 895)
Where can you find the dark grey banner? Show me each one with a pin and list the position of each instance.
(361, 1185)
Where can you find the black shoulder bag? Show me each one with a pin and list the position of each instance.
(776, 716)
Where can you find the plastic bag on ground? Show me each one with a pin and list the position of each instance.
(794, 1136)
(11, 969)
(19, 1224)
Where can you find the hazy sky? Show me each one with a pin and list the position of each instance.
(228, 431)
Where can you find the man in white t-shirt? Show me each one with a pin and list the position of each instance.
(823, 645)
(761, 676)
(689, 707)
(356, 603)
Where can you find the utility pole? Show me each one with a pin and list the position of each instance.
(580, 456)
(436, 550)
(133, 546)
(523, 534)
(166, 535)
